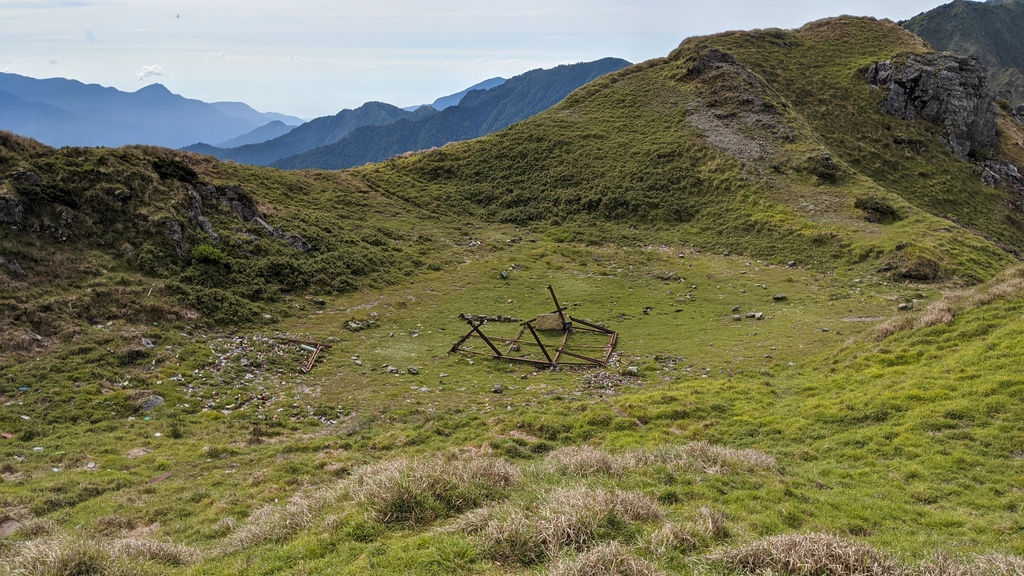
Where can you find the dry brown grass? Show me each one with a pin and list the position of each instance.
(76, 554)
(701, 457)
(704, 457)
(808, 555)
(978, 565)
(271, 523)
(1006, 286)
(563, 519)
(420, 491)
(608, 559)
(583, 461)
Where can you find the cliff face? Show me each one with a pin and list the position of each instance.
(950, 91)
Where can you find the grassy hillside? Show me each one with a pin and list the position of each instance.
(786, 396)
(987, 30)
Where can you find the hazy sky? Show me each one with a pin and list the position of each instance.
(315, 57)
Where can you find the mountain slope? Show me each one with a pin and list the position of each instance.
(454, 99)
(152, 115)
(312, 134)
(268, 131)
(246, 112)
(987, 30)
(771, 143)
(478, 113)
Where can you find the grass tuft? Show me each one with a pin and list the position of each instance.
(415, 492)
(608, 559)
(808, 555)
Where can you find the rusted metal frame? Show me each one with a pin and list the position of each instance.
(561, 348)
(611, 347)
(528, 343)
(513, 342)
(312, 359)
(588, 324)
(558, 307)
(306, 342)
(581, 357)
(539, 343)
(476, 328)
(517, 359)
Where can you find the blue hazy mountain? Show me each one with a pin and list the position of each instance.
(62, 112)
(246, 112)
(479, 112)
(453, 99)
(315, 133)
(268, 131)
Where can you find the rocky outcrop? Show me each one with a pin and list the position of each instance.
(238, 201)
(175, 234)
(950, 91)
(1017, 113)
(12, 212)
(195, 210)
(13, 266)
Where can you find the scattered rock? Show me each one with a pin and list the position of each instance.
(152, 402)
(238, 201)
(496, 389)
(791, 264)
(504, 274)
(172, 230)
(195, 210)
(735, 308)
(390, 369)
(11, 211)
(8, 527)
(758, 315)
(779, 297)
(26, 178)
(13, 266)
(633, 371)
(412, 370)
(297, 242)
(148, 343)
(949, 91)
(905, 306)
(737, 317)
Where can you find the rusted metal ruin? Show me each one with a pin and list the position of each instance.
(577, 339)
(314, 347)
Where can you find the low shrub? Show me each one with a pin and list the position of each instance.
(808, 555)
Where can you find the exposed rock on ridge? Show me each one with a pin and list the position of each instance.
(950, 91)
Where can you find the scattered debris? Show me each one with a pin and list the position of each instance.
(779, 297)
(160, 478)
(412, 370)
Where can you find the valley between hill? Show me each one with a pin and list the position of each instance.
(819, 307)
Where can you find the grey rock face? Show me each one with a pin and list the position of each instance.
(1018, 113)
(152, 402)
(195, 209)
(11, 211)
(174, 233)
(239, 202)
(13, 266)
(950, 91)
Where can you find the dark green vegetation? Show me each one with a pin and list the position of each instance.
(987, 30)
(833, 413)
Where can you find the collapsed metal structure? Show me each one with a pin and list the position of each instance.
(553, 353)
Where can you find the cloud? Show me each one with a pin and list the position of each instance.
(148, 71)
(89, 35)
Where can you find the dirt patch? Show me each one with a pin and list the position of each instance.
(136, 453)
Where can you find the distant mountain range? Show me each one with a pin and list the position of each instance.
(62, 112)
(376, 131)
(453, 99)
(315, 133)
(989, 30)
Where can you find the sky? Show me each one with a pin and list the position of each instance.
(313, 58)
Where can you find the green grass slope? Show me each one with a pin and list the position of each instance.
(832, 416)
(988, 30)
(759, 142)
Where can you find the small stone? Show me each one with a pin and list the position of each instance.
(148, 343)
(758, 316)
(443, 375)
(633, 370)
(8, 527)
(791, 263)
(779, 297)
(504, 274)
(496, 389)
(90, 465)
(412, 370)
(735, 308)
(391, 370)
(357, 362)
(750, 314)
(152, 402)
(737, 317)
